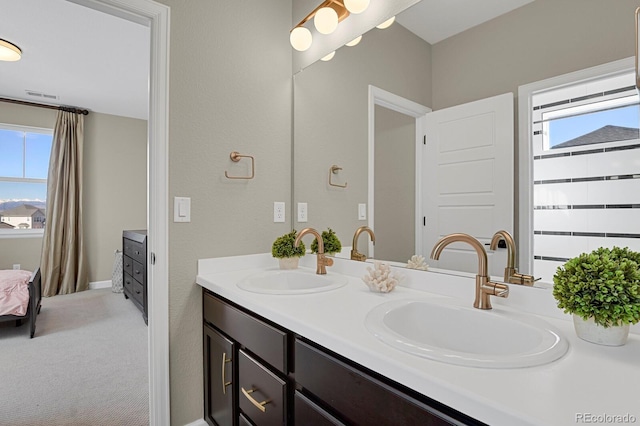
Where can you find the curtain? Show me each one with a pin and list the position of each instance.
(63, 263)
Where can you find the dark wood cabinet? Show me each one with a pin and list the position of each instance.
(219, 373)
(280, 378)
(134, 269)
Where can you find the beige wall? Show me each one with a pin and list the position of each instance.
(115, 186)
(114, 190)
(331, 121)
(543, 39)
(395, 185)
(230, 90)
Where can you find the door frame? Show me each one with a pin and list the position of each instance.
(378, 96)
(157, 17)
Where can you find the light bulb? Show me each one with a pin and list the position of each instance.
(354, 41)
(326, 20)
(300, 38)
(387, 23)
(356, 6)
(329, 56)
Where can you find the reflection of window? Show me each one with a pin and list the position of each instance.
(24, 166)
(592, 123)
(586, 172)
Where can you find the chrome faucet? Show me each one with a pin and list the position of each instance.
(355, 255)
(484, 286)
(322, 260)
(511, 274)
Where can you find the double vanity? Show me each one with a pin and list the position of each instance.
(295, 347)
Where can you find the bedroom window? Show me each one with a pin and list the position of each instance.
(24, 165)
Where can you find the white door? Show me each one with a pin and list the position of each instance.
(468, 179)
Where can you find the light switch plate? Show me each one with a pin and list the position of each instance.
(362, 211)
(181, 209)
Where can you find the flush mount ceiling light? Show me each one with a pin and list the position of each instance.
(9, 51)
(325, 18)
(387, 23)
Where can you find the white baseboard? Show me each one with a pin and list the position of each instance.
(199, 422)
(99, 284)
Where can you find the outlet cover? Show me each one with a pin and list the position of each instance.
(278, 211)
(302, 212)
(16, 266)
(362, 211)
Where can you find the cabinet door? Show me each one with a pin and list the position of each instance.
(219, 371)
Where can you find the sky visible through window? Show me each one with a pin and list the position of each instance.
(565, 129)
(25, 155)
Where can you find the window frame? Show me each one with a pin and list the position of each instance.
(23, 233)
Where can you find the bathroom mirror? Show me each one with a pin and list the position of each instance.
(331, 105)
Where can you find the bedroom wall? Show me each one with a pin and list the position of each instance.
(115, 152)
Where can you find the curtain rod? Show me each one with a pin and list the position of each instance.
(34, 104)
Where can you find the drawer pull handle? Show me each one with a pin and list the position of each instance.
(224, 382)
(259, 405)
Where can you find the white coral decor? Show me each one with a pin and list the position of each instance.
(417, 262)
(381, 278)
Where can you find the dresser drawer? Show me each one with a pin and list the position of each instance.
(262, 339)
(358, 397)
(127, 265)
(262, 395)
(134, 250)
(128, 284)
(139, 272)
(138, 292)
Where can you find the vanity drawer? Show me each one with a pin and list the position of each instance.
(358, 397)
(128, 284)
(262, 339)
(262, 395)
(308, 413)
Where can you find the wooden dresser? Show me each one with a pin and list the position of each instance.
(134, 269)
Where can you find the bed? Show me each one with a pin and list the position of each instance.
(33, 303)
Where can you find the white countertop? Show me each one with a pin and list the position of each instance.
(590, 380)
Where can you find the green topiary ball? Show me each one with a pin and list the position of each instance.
(283, 246)
(331, 242)
(603, 285)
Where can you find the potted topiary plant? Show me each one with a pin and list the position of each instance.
(331, 242)
(602, 291)
(283, 249)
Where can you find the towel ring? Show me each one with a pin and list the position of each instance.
(334, 171)
(235, 157)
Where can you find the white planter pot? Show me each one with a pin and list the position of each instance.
(591, 332)
(289, 262)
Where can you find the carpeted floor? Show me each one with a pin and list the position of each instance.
(86, 365)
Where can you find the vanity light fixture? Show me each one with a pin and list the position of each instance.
(9, 51)
(325, 18)
(354, 42)
(328, 57)
(387, 23)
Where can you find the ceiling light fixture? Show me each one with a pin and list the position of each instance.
(9, 51)
(325, 18)
(387, 23)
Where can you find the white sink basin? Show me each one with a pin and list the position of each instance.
(446, 331)
(295, 281)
